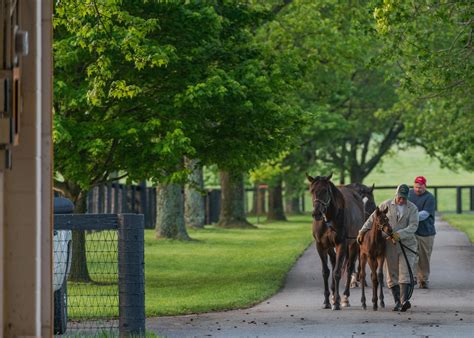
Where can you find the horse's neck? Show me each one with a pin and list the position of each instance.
(375, 233)
(336, 217)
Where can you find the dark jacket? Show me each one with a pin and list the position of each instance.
(424, 202)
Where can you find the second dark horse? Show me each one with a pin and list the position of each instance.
(337, 217)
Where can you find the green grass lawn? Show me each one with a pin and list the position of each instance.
(222, 268)
(463, 222)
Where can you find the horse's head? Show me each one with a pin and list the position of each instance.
(321, 192)
(367, 194)
(381, 222)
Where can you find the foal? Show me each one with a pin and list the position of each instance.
(372, 249)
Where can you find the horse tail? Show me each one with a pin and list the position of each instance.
(346, 265)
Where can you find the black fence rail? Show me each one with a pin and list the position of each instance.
(111, 301)
(115, 198)
(458, 198)
(448, 198)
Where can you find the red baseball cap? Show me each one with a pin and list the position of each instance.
(420, 180)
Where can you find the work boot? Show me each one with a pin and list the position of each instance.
(405, 302)
(396, 297)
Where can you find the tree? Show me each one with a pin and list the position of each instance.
(272, 173)
(235, 116)
(350, 123)
(106, 64)
(194, 213)
(431, 42)
(170, 212)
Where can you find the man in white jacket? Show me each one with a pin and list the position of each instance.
(403, 217)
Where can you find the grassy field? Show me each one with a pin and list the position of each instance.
(463, 222)
(222, 268)
(219, 269)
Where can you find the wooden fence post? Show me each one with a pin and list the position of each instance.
(458, 200)
(131, 262)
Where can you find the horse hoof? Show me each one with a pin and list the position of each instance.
(336, 307)
(345, 303)
(326, 306)
(364, 306)
(374, 307)
(382, 304)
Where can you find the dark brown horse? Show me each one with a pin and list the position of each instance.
(372, 250)
(337, 218)
(367, 195)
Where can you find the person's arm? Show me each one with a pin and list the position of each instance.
(410, 230)
(428, 208)
(423, 214)
(368, 224)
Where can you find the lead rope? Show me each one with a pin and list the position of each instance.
(410, 272)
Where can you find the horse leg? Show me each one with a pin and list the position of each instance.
(353, 253)
(373, 275)
(332, 258)
(325, 270)
(380, 278)
(363, 262)
(340, 255)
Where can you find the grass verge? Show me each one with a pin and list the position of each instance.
(463, 222)
(221, 269)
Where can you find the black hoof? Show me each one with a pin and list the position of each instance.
(397, 307)
(382, 304)
(326, 306)
(364, 306)
(374, 307)
(336, 307)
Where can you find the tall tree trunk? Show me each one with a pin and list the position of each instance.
(275, 202)
(232, 213)
(293, 205)
(292, 200)
(253, 211)
(170, 212)
(342, 179)
(357, 175)
(79, 271)
(258, 200)
(194, 212)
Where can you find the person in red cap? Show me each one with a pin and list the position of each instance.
(426, 232)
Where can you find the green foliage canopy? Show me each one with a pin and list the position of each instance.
(141, 84)
(326, 48)
(431, 41)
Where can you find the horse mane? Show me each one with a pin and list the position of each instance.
(337, 196)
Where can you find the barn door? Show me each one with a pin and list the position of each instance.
(13, 45)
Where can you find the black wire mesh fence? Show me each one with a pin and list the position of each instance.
(102, 256)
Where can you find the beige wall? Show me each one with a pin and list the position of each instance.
(26, 193)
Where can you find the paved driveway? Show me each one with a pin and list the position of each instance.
(445, 310)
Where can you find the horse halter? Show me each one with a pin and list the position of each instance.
(324, 204)
(384, 224)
